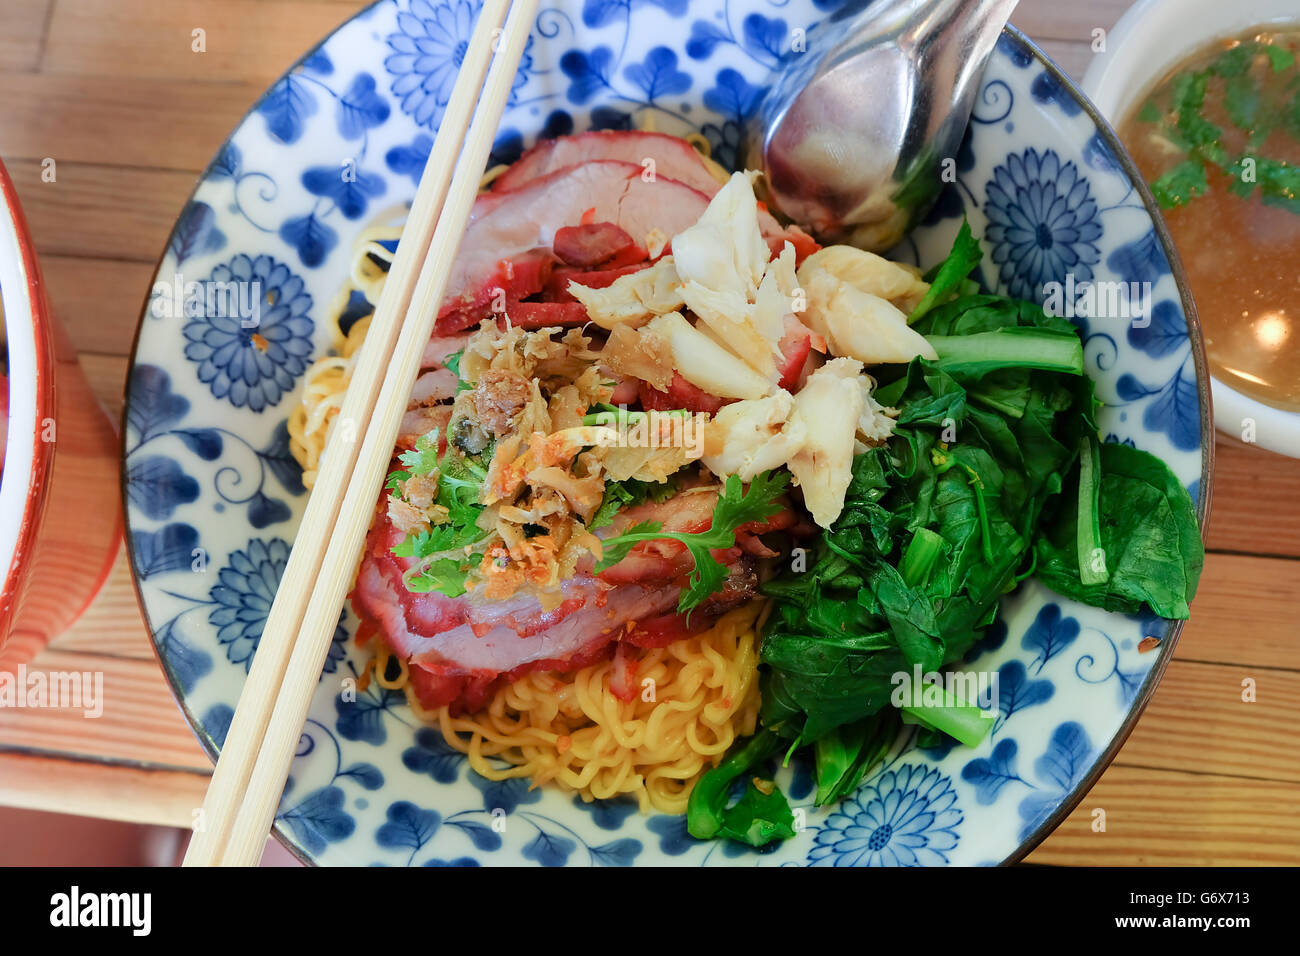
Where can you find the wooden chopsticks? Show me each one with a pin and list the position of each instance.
(250, 774)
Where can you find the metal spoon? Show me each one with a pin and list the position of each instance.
(853, 133)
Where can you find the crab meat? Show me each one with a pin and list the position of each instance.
(827, 408)
(860, 325)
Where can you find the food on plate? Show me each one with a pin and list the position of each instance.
(678, 490)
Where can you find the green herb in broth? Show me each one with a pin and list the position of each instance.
(1218, 139)
(1252, 107)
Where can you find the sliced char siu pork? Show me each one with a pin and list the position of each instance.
(459, 649)
(667, 156)
(510, 243)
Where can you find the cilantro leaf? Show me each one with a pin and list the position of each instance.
(395, 479)
(734, 509)
(1279, 58)
(1181, 184)
(1242, 100)
(423, 459)
(452, 362)
(446, 575)
(460, 486)
(443, 537)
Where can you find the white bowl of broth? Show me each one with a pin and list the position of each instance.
(1205, 95)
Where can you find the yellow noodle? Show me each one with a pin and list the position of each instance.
(705, 697)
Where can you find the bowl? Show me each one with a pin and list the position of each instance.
(1151, 38)
(60, 462)
(213, 496)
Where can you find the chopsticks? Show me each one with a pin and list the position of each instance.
(250, 774)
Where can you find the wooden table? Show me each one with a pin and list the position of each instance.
(113, 92)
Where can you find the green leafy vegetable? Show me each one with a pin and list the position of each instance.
(606, 414)
(1182, 184)
(734, 509)
(845, 755)
(1253, 108)
(1091, 554)
(446, 575)
(423, 459)
(993, 458)
(1149, 534)
(706, 810)
(758, 817)
(949, 277)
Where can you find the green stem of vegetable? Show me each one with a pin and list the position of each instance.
(1019, 347)
(610, 415)
(833, 756)
(871, 740)
(923, 551)
(986, 536)
(709, 798)
(1092, 557)
(1028, 572)
(966, 722)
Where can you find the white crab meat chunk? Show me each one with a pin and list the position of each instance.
(778, 296)
(633, 299)
(725, 250)
(745, 438)
(859, 325)
(876, 422)
(828, 409)
(706, 364)
(865, 271)
(727, 317)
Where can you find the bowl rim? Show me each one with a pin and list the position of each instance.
(27, 459)
(1206, 407)
(1206, 434)
(1138, 28)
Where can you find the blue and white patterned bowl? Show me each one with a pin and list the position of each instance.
(213, 496)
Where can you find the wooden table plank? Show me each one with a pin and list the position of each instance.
(1055, 20)
(97, 300)
(22, 36)
(140, 722)
(107, 376)
(1265, 637)
(1256, 507)
(78, 118)
(131, 794)
(112, 626)
(109, 212)
(1198, 721)
(245, 40)
(1170, 818)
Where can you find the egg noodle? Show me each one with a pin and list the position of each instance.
(694, 697)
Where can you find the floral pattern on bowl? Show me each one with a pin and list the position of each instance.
(213, 495)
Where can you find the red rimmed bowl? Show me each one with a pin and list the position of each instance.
(60, 517)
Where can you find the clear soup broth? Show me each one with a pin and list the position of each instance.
(1218, 140)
